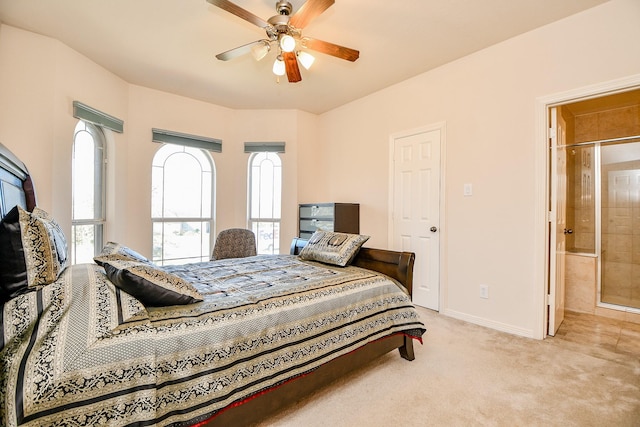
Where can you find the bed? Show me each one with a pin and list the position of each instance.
(109, 344)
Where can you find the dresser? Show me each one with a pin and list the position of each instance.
(342, 217)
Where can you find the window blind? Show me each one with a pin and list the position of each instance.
(260, 147)
(170, 137)
(84, 112)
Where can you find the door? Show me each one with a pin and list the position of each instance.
(557, 221)
(416, 209)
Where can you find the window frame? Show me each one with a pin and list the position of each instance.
(205, 253)
(99, 220)
(253, 222)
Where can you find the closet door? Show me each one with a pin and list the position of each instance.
(415, 225)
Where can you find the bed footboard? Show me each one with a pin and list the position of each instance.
(397, 265)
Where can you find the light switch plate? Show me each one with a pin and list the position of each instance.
(468, 189)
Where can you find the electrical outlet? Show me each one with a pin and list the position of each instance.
(484, 291)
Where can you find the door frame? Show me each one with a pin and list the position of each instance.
(442, 229)
(542, 165)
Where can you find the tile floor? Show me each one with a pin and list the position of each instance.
(600, 333)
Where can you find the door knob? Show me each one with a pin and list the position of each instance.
(434, 229)
(568, 231)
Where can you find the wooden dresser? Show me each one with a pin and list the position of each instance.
(342, 217)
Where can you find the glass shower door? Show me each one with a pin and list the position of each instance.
(620, 224)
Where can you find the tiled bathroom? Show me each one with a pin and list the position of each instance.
(603, 206)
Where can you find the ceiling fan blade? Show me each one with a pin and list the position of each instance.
(240, 12)
(331, 49)
(309, 11)
(291, 65)
(238, 51)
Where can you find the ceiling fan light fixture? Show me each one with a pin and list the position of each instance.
(287, 43)
(306, 59)
(278, 66)
(260, 50)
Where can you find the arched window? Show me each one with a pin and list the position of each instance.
(265, 200)
(88, 194)
(181, 204)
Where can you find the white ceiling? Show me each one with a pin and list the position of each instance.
(170, 45)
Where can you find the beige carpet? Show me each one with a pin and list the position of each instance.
(467, 375)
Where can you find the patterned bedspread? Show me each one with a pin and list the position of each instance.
(81, 352)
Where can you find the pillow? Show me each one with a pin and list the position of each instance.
(33, 251)
(333, 248)
(152, 286)
(116, 252)
(56, 235)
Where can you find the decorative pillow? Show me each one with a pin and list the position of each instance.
(33, 251)
(116, 252)
(152, 286)
(333, 248)
(56, 235)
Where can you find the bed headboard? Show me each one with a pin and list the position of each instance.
(16, 187)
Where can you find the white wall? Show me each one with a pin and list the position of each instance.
(488, 101)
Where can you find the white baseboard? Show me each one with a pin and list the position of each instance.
(503, 327)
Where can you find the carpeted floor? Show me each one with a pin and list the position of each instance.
(467, 375)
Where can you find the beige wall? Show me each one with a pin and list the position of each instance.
(487, 100)
(39, 80)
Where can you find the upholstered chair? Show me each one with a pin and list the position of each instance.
(234, 243)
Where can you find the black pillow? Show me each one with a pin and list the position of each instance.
(13, 268)
(149, 284)
(33, 251)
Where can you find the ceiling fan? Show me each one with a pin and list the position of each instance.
(284, 30)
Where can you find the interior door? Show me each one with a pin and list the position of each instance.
(416, 209)
(557, 221)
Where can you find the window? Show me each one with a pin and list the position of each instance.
(181, 204)
(88, 195)
(265, 199)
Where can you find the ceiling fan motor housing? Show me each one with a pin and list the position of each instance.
(283, 7)
(280, 22)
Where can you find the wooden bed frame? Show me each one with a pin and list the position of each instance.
(398, 265)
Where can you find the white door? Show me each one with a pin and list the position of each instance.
(416, 209)
(557, 221)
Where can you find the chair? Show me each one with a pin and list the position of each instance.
(234, 243)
